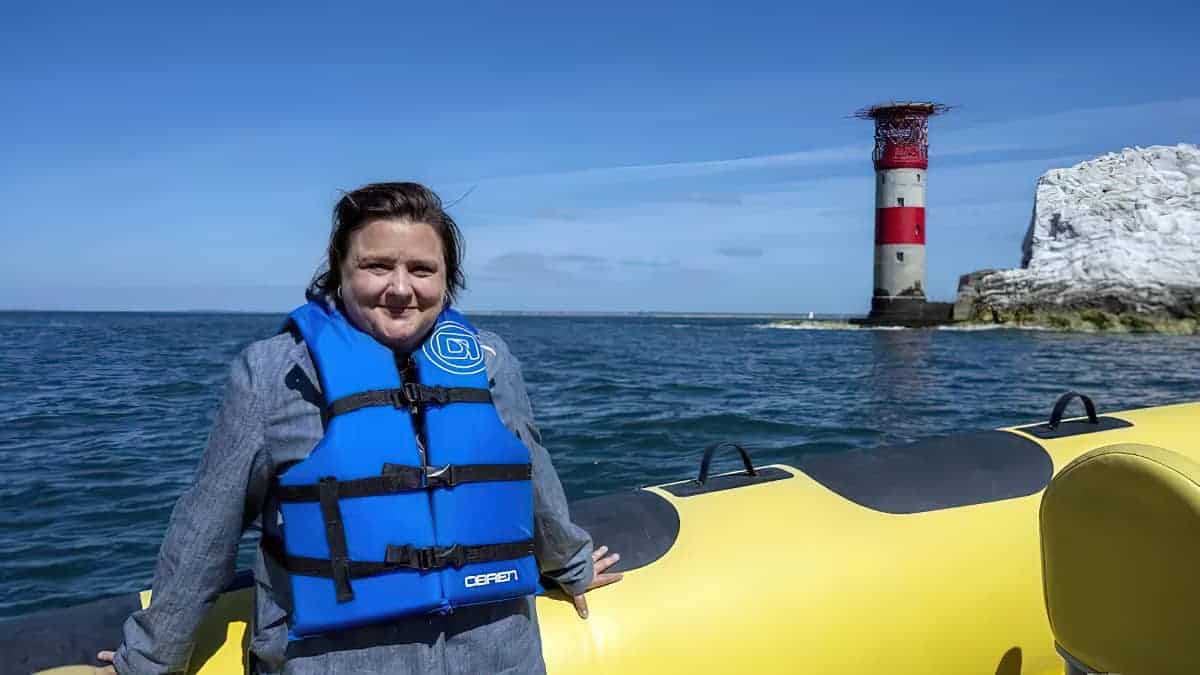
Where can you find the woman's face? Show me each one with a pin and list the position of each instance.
(394, 281)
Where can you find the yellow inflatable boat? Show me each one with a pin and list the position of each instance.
(922, 559)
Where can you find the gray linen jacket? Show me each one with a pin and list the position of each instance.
(270, 418)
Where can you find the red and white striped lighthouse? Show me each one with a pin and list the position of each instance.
(901, 157)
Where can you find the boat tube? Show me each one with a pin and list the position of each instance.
(920, 559)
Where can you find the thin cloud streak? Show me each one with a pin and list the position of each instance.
(960, 142)
(687, 169)
(1132, 111)
(787, 160)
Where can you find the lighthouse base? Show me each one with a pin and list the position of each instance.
(907, 312)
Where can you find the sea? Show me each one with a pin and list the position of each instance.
(104, 416)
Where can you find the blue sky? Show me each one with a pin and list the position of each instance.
(601, 156)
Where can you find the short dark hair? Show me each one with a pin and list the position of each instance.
(408, 202)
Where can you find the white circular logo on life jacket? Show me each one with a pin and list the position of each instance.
(454, 349)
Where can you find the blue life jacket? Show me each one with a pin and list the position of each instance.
(374, 530)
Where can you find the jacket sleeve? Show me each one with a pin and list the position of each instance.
(198, 554)
(563, 549)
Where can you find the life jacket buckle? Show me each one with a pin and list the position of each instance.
(426, 558)
(412, 393)
(452, 555)
(422, 559)
(405, 396)
(440, 477)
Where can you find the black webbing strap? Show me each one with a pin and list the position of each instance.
(455, 556)
(319, 567)
(400, 558)
(423, 393)
(377, 397)
(457, 474)
(410, 394)
(398, 478)
(335, 536)
(395, 478)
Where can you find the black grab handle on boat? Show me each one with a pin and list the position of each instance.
(708, 455)
(1060, 407)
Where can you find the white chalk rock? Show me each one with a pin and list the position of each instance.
(1119, 232)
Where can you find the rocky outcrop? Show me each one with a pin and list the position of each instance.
(1114, 244)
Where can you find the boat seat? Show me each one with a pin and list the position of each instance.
(1120, 536)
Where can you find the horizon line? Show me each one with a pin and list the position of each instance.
(482, 312)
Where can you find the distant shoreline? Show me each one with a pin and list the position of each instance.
(485, 312)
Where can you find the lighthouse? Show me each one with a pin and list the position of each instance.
(901, 158)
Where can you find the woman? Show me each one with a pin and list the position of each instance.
(421, 565)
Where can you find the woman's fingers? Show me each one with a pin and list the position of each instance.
(599, 553)
(107, 657)
(580, 605)
(602, 564)
(605, 579)
(601, 561)
(597, 581)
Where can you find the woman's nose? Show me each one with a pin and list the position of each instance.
(400, 285)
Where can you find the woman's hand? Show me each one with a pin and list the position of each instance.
(600, 563)
(107, 657)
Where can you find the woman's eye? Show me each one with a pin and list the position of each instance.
(423, 272)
